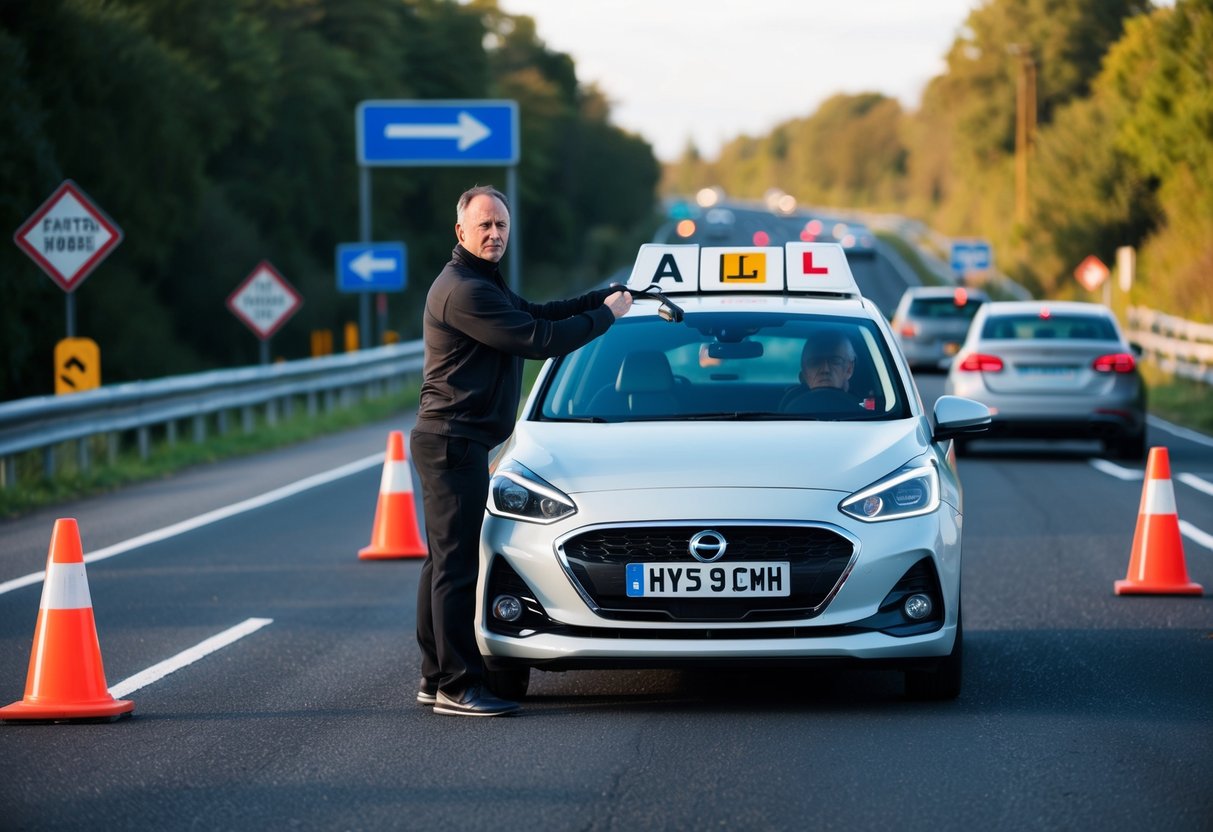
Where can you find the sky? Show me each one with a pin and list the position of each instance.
(712, 70)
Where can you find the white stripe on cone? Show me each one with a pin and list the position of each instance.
(397, 478)
(1158, 498)
(65, 587)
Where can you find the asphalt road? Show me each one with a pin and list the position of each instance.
(1081, 710)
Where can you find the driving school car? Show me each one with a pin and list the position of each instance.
(675, 492)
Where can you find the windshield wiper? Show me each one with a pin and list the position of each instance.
(735, 416)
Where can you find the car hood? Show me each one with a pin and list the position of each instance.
(840, 456)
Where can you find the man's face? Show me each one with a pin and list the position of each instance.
(828, 366)
(485, 228)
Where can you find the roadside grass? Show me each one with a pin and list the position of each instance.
(910, 254)
(1179, 400)
(34, 490)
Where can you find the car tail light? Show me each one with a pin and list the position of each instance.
(909, 330)
(1116, 362)
(981, 362)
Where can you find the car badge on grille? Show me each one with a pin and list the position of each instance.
(707, 546)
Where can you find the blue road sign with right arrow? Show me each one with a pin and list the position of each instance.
(402, 133)
(371, 267)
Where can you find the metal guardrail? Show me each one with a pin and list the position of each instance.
(46, 422)
(1176, 345)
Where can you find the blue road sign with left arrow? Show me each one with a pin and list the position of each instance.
(371, 267)
(402, 133)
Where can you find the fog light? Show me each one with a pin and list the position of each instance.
(918, 606)
(508, 608)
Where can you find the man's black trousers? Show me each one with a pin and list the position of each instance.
(454, 475)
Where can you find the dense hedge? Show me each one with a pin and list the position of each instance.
(218, 133)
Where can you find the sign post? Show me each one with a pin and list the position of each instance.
(1126, 264)
(264, 301)
(412, 133)
(68, 236)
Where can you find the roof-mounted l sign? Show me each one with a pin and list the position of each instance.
(424, 133)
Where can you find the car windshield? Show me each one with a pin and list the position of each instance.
(728, 365)
(943, 308)
(1061, 327)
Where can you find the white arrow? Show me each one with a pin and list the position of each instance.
(468, 131)
(365, 265)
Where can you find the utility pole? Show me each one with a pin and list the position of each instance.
(1025, 126)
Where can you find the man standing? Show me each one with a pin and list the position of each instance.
(477, 333)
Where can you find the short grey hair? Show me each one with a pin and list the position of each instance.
(825, 340)
(472, 193)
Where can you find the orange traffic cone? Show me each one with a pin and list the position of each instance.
(1156, 565)
(66, 680)
(395, 534)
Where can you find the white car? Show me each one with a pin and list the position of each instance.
(675, 494)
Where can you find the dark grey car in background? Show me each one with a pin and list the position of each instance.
(931, 322)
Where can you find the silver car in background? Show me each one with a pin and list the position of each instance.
(931, 323)
(1060, 370)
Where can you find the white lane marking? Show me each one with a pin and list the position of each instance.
(1197, 483)
(1196, 535)
(1192, 532)
(1114, 470)
(187, 657)
(1185, 433)
(211, 517)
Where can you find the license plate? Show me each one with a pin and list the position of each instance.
(708, 580)
(1050, 371)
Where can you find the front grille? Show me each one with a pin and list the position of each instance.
(818, 558)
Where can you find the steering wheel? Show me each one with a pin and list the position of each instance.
(822, 400)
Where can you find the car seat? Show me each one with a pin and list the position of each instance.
(644, 387)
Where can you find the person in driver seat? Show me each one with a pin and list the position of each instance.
(828, 360)
(826, 365)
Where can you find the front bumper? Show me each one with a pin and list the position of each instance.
(847, 626)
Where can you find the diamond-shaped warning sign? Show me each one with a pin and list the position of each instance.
(264, 300)
(1091, 273)
(68, 236)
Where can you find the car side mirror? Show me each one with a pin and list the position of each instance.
(956, 416)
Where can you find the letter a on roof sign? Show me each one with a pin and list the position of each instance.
(668, 267)
(672, 267)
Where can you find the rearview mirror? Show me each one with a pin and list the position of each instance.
(735, 349)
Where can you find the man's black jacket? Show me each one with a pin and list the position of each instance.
(477, 333)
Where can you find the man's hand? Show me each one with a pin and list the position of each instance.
(619, 303)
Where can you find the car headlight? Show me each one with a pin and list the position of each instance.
(907, 492)
(515, 491)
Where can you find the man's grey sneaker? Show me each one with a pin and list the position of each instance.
(476, 701)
